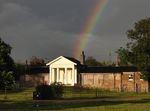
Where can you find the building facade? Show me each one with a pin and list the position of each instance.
(124, 79)
(70, 72)
(64, 70)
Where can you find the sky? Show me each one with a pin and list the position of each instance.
(51, 28)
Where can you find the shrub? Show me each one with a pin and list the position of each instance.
(58, 89)
(45, 92)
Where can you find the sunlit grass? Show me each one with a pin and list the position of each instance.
(80, 100)
(22, 95)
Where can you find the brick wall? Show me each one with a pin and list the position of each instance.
(34, 79)
(115, 81)
(136, 84)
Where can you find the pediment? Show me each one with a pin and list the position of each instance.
(61, 60)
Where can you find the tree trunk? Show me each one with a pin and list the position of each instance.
(149, 84)
(5, 97)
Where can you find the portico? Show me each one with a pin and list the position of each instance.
(63, 70)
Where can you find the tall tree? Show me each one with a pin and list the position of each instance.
(35, 61)
(137, 51)
(6, 62)
(6, 66)
(91, 61)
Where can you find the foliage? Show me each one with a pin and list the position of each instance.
(6, 80)
(6, 62)
(58, 89)
(19, 70)
(34, 61)
(137, 51)
(91, 61)
(124, 57)
(6, 66)
(52, 91)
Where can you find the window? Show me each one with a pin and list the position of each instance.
(130, 77)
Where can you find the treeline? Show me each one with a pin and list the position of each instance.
(91, 61)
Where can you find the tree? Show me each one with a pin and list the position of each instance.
(34, 61)
(6, 80)
(137, 51)
(19, 70)
(123, 57)
(90, 61)
(6, 62)
(6, 66)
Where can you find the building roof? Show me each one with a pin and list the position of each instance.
(73, 60)
(37, 69)
(86, 69)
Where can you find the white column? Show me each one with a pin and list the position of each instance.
(65, 76)
(57, 74)
(50, 73)
(73, 76)
(49, 76)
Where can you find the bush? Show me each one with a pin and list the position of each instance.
(45, 92)
(7, 80)
(57, 89)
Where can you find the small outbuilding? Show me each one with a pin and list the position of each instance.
(63, 69)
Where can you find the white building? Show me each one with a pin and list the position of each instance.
(63, 69)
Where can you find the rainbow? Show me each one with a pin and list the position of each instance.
(88, 29)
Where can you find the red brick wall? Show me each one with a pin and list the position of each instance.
(34, 79)
(115, 81)
(135, 85)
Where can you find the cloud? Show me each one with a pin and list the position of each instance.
(30, 35)
(50, 28)
(13, 14)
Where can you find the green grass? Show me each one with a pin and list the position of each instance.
(76, 100)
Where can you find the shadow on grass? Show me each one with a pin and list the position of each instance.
(21, 90)
(64, 104)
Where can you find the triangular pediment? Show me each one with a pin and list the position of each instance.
(61, 60)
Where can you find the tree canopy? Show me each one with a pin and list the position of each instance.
(6, 66)
(6, 62)
(137, 50)
(91, 61)
(35, 61)
(6, 80)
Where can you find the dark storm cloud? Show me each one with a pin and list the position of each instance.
(64, 15)
(120, 15)
(49, 28)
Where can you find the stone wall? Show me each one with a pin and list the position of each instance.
(115, 81)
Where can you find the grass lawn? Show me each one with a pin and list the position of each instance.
(85, 100)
